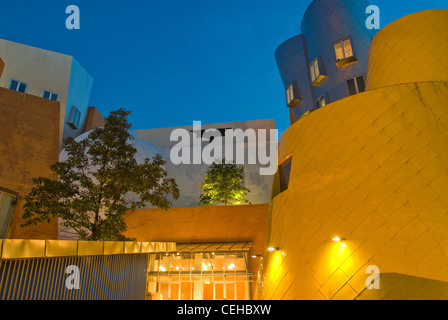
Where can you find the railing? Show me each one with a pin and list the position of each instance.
(75, 270)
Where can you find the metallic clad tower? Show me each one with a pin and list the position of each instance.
(328, 61)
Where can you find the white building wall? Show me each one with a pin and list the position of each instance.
(47, 70)
(190, 176)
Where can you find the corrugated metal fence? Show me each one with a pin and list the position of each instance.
(100, 277)
(117, 273)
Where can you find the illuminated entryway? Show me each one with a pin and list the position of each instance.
(201, 272)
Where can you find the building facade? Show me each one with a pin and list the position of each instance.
(364, 180)
(44, 99)
(358, 208)
(29, 143)
(189, 176)
(53, 76)
(328, 60)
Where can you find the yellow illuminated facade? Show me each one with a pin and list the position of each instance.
(371, 169)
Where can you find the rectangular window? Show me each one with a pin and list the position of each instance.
(316, 72)
(17, 85)
(322, 101)
(50, 95)
(285, 171)
(6, 204)
(293, 95)
(75, 118)
(343, 49)
(356, 85)
(289, 94)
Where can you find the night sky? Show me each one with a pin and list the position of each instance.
(174, 62)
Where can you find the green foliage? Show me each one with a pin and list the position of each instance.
(98, 183)
(223, 184)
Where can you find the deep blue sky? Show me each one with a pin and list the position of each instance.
(173, 62)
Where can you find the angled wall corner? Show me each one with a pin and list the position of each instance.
(94, 119)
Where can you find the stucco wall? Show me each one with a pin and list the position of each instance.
(40, 69)
(47, 70)
(80, 87)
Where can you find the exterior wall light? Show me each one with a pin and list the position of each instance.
(273, 248)
(338, 239)
(256, 256)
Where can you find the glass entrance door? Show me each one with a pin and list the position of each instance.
(200, 276)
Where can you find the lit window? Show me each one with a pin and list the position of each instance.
(50, 95)
(356, 85)
(285, 171)
(6, 204)
(289, 94)
(75, 118)
(316, 72)
(343, 49)
(17, 85)
(322, 101)
(196, 276)
(292, 95)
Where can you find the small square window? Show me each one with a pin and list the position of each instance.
(75, 118)
(293, 95)
(343, 49)
(316, 72)
(17, 85)
(356, 85)
(322, 101)
(344, 52)
(50, 95)
(285, 172)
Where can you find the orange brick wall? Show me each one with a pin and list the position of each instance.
(29, 143)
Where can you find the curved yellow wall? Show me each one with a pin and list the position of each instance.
(372, 168)
(411, 49)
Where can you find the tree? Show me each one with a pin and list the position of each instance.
(223, 184)
(98, 183)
